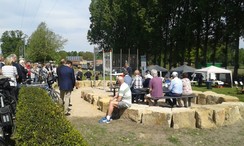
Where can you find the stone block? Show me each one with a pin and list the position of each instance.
(204, 118)
(202, 99)
(218, 114)
(135, 112)
(103, 104)
(232, 113)
(157, 116)
(212, 98)
(183, 118)
(239, 104)
(227, 98)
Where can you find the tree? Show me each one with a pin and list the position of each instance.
(13, 42)
(43, 44)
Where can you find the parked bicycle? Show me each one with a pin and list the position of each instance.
(8, 104)
(55, 95)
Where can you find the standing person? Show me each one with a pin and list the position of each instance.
(155, 88)
(88, 75)
(18, 66)
(79, 75)
(48, 70)
(175, 89)
(35, 72)
(129, 69)
(1, 63)
(10, 71)
(28, 68)
(66, 83)
(23, 69)
(199, 79)
(121, 100)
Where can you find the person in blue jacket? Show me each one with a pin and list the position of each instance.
(66, 83)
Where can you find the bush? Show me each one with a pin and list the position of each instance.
(40, 121)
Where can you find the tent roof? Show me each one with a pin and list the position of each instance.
(184, 68)
(212, 69)
(157, 67)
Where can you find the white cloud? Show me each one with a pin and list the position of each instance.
(70, 19)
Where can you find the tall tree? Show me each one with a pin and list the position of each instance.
(13, 42)
(43, 44)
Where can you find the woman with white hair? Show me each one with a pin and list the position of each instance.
(155, 88)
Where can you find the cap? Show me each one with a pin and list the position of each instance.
(174, 74)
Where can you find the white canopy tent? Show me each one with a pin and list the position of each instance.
(213, 69)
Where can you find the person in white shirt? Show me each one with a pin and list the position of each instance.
(10, 71)
(121, 100)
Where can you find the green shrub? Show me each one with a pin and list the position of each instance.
(39, 121)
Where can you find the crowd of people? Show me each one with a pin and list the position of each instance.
(25, 72)
(129, 84)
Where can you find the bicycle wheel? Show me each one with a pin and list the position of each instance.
(55, 95)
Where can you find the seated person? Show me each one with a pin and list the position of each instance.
(121, 100)
(148, 77)
(187, 90)
(155, 88)
(136, 84)
(127, 78)
(175, 89)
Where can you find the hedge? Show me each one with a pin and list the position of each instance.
(40, 121)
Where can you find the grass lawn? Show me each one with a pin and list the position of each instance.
(225, 90)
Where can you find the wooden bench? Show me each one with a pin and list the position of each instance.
(187, 97)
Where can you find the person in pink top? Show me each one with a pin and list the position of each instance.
(186, 89)
(155, 88)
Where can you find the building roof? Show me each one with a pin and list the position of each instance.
(74, 58)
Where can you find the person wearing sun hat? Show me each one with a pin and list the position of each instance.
(175, 89)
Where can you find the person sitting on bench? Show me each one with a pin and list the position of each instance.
(121, 100)
(155, 88)
(187, 90)
(175, 89)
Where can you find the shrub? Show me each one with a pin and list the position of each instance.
(40, 121)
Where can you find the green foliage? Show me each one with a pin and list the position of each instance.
(43, 44)
(180, 30)
(42, 122)
(13, 42)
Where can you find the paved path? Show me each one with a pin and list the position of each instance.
(81, 108)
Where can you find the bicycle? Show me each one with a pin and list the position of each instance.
(55, 95)
(8, 104)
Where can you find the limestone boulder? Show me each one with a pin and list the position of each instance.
(212, 98)
(202, 99)
(232, 113)
(218, 114)
(204, 118)
(196, 93)
(239, 104)
(227, 98)
(183, 118)
(157, 116)
(135, 112)
(103, 104)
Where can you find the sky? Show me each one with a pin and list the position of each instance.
(68, 18)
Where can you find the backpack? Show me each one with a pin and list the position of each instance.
(4, 83)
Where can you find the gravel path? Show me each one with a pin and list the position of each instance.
(81, 108)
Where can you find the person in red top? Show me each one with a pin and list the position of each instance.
(28, 67)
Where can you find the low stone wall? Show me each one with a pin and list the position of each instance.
(96, 83)
(209, 97)
(202, 114)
